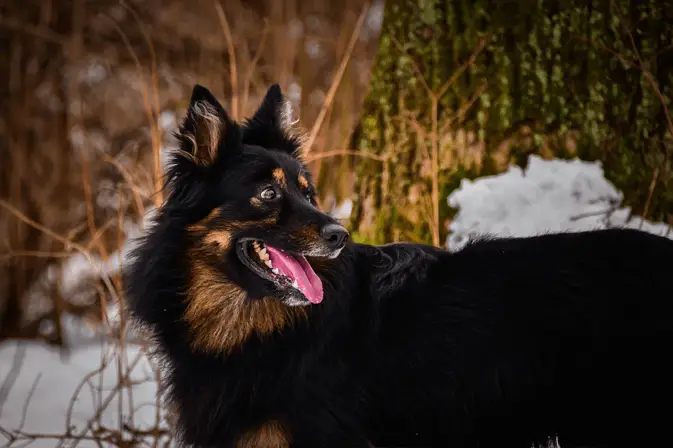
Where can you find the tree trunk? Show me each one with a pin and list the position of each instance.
(564, 78)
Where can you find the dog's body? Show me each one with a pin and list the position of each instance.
(507, 343)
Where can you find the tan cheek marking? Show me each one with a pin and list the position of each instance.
(220, 238)
(222, 233)
(271, 434)
(303, 182)
(212, 215)
(279, 176)
(239, 225)
(255, 201)
(202, 225)
(221, 317)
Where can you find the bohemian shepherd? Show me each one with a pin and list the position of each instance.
(276, 330)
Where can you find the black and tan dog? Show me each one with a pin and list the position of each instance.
(277, 331)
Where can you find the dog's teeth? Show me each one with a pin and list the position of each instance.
(261, 251)
(268, 263)
(295, 284)
(275, 271)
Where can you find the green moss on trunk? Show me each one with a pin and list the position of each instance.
(562, 79)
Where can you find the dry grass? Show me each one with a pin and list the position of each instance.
(91, 85)
(93, 89)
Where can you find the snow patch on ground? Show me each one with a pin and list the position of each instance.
(42, 390)
(550, 196)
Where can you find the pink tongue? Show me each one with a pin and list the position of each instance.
(297, 269)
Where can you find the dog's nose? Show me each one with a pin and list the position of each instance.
(335, 235)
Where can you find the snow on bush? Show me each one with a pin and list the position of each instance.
(550, 196)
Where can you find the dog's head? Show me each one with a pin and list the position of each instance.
(255, 225)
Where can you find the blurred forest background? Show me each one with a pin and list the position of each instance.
(400, 100)
(91, 94)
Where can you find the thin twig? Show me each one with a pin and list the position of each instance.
(650, 192)
(646, 71)
(435, 169)
(420, 132)
(35, 31)
(67, 243)
(155, 129)
(8, 382)
(149, 111)
(135, 191)
(414, 65)
(470, 61)
(106, 402)
(460, 113)
(75, 395)
(233, 71)
(253, 64)
(590, 214)
(327, 103)
(34, 253)
(346, 152)
(29, 397)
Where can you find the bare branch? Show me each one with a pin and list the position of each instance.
(327, 103)
(233, 70)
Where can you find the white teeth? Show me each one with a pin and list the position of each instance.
(261, 252)
(264, 256)
(295, 284)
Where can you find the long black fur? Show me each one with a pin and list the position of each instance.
(509, 342)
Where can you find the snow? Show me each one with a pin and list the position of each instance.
(47, 382)
(54, 378)
(549, 196)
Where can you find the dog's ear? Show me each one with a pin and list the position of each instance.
(204, 131)
(275, 111)
(273, 124)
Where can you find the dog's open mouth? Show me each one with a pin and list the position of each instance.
(284, 269)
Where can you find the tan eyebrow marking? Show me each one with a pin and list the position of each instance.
(279, 176)
(303, 182)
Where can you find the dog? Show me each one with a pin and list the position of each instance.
(275, 329)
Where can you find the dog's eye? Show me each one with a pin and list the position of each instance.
(268, 194)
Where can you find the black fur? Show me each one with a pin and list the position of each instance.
(507, 343)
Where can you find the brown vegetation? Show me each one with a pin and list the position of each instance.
(93, 90)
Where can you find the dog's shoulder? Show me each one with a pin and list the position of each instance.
(391, 267)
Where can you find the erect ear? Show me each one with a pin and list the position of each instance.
(275, 110)
(204, 130)
(273, 124)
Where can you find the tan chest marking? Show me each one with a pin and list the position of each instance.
(271, 434)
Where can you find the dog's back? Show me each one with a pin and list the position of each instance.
(516, 340)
